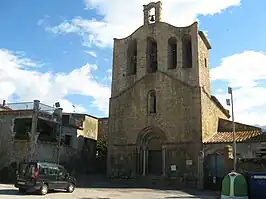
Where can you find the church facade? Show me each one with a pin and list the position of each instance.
(161, 108)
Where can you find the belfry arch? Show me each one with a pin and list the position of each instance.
(151, 151)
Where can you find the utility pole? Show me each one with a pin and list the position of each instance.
(33, 133)
(59, 113)
(233, 124)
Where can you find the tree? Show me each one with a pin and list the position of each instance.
(101, 147)
(101, 156)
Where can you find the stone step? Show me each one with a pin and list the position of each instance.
(151, 180)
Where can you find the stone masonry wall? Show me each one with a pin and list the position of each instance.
(47, 151)
(161, 32)
(244, 150)
(13, 150)
(210, 116)
(177, 110)
(226, 125)
(204, 68)
(103, 128)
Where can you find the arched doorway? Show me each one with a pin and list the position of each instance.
(151, 152)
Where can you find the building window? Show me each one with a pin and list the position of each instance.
(205, 63)
(152, 61)
(187, 51)
(152, 104)
(132, 58)
(172, 53)
(68, 139)
(65, 119)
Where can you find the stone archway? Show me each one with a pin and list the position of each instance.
(151, 151)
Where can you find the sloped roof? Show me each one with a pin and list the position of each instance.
(220, 106)
(240, 136)
(225, 125)
(4, 107)
(205, 40)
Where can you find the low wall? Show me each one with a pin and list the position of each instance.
(47, 151)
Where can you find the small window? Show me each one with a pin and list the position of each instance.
(152, 102)
(43, 170)
(205, 63)
(68, 139)
(62, 172)
(53, 171)
(65, 119)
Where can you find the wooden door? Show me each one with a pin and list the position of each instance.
(155, 162)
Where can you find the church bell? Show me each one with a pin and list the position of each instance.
(152, 18)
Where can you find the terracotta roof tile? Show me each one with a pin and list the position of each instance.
(2, 108)
(241, 136)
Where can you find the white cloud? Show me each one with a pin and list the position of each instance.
(245, 73)
(69, 107)
(243, 69)
(16, 77)
(91, 53)
(42, 21)
(122, 17)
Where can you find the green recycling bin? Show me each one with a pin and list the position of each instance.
(234, 186)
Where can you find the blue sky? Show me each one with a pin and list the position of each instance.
(55, 47)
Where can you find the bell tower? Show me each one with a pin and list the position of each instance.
(152, 12)
(160, 99)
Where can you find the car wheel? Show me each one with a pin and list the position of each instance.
(21, 190)
(44, 189)
(70, 187)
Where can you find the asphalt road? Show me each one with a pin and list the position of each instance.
(8, 191)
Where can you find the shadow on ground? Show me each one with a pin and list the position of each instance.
(94, 198)
(102, 182)
(187, 197)
(15, 192)
(10, 192)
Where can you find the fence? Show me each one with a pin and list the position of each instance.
(20, 106)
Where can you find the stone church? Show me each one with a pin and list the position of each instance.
(161, 107)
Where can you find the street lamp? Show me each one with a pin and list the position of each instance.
(230, 102)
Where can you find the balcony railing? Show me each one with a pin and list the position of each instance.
(46, 108)
(45, 111)
(29, 106)
(20, 106)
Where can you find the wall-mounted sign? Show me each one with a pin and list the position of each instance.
(188, 162)
(173, 167)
